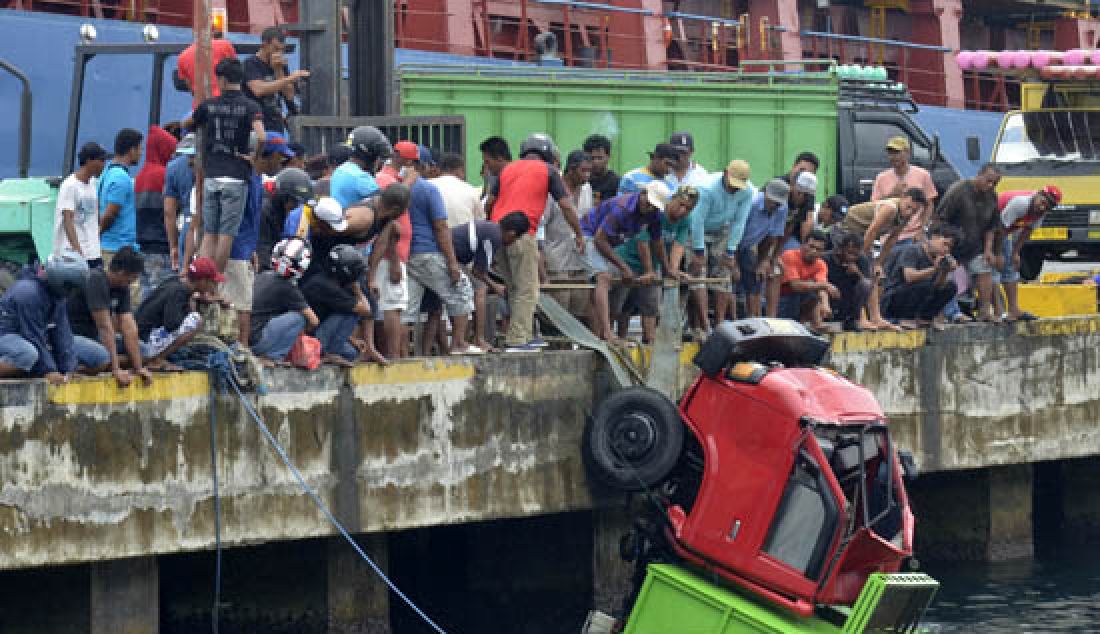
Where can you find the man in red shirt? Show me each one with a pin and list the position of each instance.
(524, 185)
(220, 49)
(805, 291)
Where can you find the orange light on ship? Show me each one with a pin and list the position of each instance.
(219, 20)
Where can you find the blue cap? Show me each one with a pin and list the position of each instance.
(426, 157)
(276, 142)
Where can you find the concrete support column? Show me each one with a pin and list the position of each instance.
(936, 22)
(785, 44)
(125, 596)
(358, 600)
(1078, 506)
(611, 576)
(982, 515)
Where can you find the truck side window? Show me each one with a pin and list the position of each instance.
(806, 520)
(873, 136)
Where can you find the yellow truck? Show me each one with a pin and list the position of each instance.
(1054, 138)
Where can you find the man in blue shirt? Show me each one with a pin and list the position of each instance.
(758, 249)
(117, 213)
(661, 161)
(716, 225)
(432, 263)
(179, 178)
(354, 180)
(240, 270)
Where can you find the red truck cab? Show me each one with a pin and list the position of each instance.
(787, 484)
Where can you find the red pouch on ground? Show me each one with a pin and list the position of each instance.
(306, 353)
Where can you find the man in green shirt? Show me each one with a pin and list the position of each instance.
(644, 298)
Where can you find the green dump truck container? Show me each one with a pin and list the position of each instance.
(766, 118)
(676, 600)
(26, 219)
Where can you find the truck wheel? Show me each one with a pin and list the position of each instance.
(634, 440)
(1031, 264)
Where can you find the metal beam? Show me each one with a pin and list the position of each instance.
(320, 55)
(370, 58)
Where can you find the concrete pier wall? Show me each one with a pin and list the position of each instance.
(90, 472)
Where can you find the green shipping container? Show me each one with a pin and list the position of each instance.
(26, 219)
(764, 118)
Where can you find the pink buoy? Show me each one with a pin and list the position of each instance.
(965, 60)
(1005, 59)
(1021, 59)
(1040, 59)
(1076, 57)
(981, 60)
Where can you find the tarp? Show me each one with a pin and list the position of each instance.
(953, 126)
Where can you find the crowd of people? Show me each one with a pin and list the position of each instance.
(360, 247)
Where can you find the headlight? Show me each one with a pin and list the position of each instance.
(1094, 217)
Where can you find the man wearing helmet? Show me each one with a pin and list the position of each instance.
(337, 299)
(279, 310)
(36, 338)
(354, 180)
(1021, 213)
(523, 185)
(293, 189)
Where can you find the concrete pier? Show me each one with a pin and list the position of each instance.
(467, 473)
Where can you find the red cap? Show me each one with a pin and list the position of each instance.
(1054, 193)
(407, 150)
(204, 269)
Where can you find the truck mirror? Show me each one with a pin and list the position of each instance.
(973, 149)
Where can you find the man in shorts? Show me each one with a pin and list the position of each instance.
(227, 122)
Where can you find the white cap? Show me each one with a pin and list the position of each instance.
(329, 210)
(658, 194)
(806, 183)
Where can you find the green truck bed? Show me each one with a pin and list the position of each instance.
(676, 600)
(26, 219)
(764, 118)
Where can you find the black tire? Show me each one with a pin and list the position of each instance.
(1031, 263)
(634, 440)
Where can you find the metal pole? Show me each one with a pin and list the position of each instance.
(157, 88)
(320, 53)
(75, 98)
(370, 58)
(24, 119)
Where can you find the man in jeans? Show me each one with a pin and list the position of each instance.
(432, 264)
(523, 185)
(179, 182)
(336, 297)
(280, 312)
(101, 310)
(36, 339)
(919, 283)
(1020, 215)
(152, 223)
(227, 122)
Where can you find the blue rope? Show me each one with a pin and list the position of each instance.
(317, 499)
(220, 370)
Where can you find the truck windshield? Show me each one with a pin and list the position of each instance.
(1050, 136)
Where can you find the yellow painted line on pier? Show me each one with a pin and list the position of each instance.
(640, 355)
(1060, 327)
(868, 341)
(106, 391)
(417, 371)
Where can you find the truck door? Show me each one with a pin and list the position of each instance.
(872, 129)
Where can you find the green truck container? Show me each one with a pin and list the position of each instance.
(676, 600)
(26, 220)
(766, 118)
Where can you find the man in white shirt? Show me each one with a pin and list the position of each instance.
(76, 217)
(462, 200)
(687, 171)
